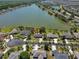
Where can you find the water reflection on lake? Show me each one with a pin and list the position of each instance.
(31, 16)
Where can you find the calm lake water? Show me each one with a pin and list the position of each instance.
(32, 16)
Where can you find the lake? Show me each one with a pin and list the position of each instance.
(32, 16)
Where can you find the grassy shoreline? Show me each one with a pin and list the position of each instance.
(8, 29)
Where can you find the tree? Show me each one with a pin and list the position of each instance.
(27, 47)
(45, 37)
(10, 51)
(1, 45)
(46, 47)
(29, 37)
(42, 30)
(24, 55)
(59, 10)
(64, 13)
(21, 28)
(72, 56)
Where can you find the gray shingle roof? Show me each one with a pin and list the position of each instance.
(67, 35)
(2, 33)
(51, 36)
(55, 52)
(76, 35)
(61, 56)
(25, 32)
(37, 53)
(15, 42)
(38, 35)
(14, 31)
(77, 55)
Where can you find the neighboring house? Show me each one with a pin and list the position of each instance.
(42, 55)
(67, 35)
(2, 36)
(14, 31)
(39, 54)
(76, 35)
(66, 2)
(54, 52)
(14, 55)
(52, 36)
(61, 2)
(35, 54)
(61, 56)
(15, 42)
(38, 35)
(25, 32)
(77, 54)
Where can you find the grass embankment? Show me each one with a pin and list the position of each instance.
(10, 27)
(10, 5)
(6, 29)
